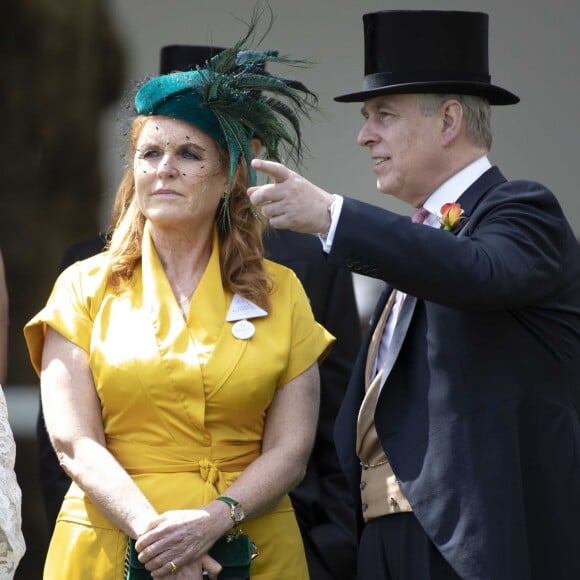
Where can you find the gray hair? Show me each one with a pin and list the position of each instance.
(476, 114)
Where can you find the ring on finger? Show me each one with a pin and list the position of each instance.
(173, 567)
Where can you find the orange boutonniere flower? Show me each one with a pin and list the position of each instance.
(451, 216)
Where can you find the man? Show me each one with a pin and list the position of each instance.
(459, 431)
(323, 505)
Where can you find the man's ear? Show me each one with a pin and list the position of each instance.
(256, 146)
(452, 112)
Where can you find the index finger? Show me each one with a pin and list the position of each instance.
(275, 171)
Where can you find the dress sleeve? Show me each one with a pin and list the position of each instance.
(310, 341)
(68, 311)
(12, 545)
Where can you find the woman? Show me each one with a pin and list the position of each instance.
(12, 545)
(11, 540)
(180, 367)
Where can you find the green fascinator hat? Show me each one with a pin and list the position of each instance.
(177, 95)
(233, 98)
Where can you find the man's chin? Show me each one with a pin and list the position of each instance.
(385, 189)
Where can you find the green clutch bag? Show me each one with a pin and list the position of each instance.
(134, 570)
(233, 552)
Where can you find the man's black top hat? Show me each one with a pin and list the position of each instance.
(184, 57)
(427, 51)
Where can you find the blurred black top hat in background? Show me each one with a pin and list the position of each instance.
(184, 57)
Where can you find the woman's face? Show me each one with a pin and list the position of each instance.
(180, 175)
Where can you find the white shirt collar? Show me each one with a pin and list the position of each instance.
(451, 190)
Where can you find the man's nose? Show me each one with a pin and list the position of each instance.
(366, 136)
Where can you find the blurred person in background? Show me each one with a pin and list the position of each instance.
(12, 545)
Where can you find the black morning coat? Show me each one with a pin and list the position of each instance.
(479, 414)
(323, 505)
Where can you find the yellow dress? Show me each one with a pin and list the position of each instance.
(183, 404)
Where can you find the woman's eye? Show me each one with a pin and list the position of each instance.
(148, 154)
(188, 154)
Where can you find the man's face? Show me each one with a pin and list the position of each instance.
(405, 146)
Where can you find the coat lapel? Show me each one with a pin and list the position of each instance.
(471, 197)
(372, 384)
(399, 334)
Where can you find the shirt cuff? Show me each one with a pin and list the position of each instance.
(334, 210)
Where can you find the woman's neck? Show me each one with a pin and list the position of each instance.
(184, 256)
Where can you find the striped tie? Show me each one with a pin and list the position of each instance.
(419, 215)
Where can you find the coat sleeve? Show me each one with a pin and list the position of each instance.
(508, 253)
